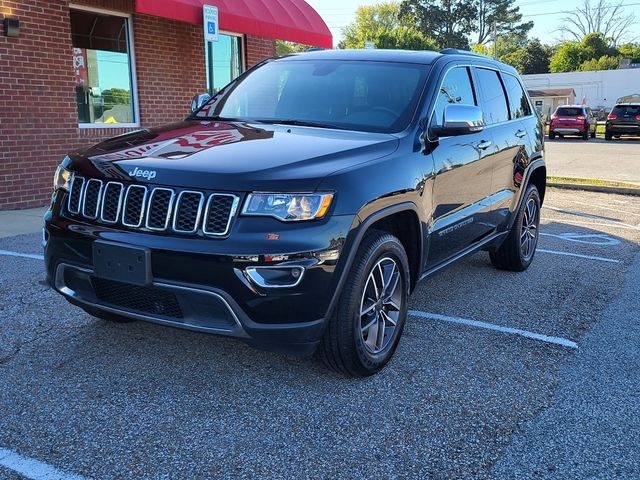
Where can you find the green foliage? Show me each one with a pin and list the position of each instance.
(383, 25)
(531, 58)
(448, 22)
(116, 96)
(593, 52)
(287, 48)
(606, 62)
(594, 45)
(630, 50)
(567, 58)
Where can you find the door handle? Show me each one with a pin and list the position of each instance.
(521, 133)
(484, 144)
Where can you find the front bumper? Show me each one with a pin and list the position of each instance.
(201, 284)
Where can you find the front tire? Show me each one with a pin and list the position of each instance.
(608, 137)
(365, 329)
(518, 249)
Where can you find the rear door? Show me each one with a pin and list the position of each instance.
(510, 118)
(463, 167)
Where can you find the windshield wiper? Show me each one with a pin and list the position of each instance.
(301, 123)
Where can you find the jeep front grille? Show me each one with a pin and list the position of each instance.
(158, 209)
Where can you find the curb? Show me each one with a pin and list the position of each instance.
(596, 188)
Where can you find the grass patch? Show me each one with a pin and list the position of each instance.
(592, 181)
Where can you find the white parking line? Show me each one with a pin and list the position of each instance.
(497, 328)
(33, 469)
(604, 207)
(588, 257)
(624, 226)
(22, 255)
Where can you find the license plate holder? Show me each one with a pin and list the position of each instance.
(122, 263)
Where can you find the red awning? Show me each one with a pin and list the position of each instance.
(292, 20)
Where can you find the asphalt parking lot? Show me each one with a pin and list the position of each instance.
(498, 375)
(617, 160)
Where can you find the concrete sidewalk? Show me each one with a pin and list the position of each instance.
(19, 222)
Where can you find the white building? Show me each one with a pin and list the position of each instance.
(595, 89)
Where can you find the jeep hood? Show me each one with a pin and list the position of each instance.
(231, 156)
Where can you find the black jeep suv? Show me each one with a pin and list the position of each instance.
(298, 208)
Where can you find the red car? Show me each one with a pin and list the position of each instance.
(573, 120)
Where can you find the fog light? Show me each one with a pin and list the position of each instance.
(276, 276)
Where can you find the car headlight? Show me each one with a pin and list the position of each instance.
(62, 178)
(288, 207)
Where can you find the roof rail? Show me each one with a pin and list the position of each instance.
(456, 51)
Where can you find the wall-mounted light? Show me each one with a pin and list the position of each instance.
(11, 27)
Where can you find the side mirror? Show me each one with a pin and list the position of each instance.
(199, 100)
(460, 120)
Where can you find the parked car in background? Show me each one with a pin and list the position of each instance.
(573, 120)
(624, 119)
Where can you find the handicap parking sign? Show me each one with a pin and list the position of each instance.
(210, 22)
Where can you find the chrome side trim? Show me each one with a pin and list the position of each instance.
(232, 213)
(62, 288)
(256, 278)
(84, 198)
(169, 208)
(198, 215)
(119, 207)
(142, 207)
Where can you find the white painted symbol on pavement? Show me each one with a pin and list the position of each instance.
(600, 239)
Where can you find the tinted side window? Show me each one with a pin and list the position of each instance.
(569, 112)
(517, 98)
(456, 88)
(495, 103)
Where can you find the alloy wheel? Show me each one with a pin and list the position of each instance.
(381, 304)
(529, 232)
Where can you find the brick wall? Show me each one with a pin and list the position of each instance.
(38, 116)
(258, 48)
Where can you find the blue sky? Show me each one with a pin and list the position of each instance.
(339, 13)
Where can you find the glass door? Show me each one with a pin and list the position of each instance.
(224, 61)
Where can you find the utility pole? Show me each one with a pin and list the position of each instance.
(495, 39)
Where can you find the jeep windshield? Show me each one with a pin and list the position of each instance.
(351, 95)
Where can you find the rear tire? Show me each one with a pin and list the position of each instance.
(518, 249)
(365, 328)
(608, 137)
(552, 135)
(109, 317)
(585, 134)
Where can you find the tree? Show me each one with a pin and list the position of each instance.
(116, 96)
(449, 22)
(594, 45)
(567, 58)
(532, 58)
(630, 50)
(606, 62)
(503, 15)
(287, 48)
(384, 25)
(598, 16)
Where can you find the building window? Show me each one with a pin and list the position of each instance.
(227, 61)
(102, 63)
